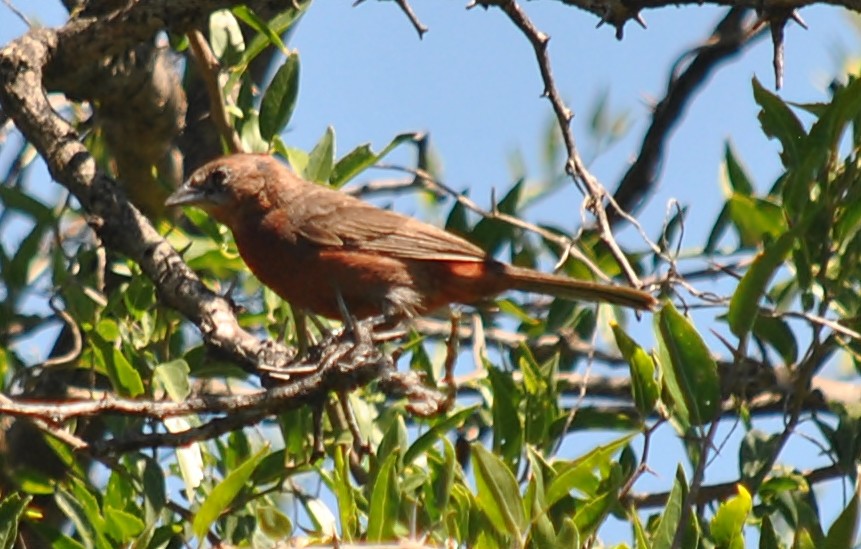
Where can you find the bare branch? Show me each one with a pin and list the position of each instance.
(730, 37)
(210, 68)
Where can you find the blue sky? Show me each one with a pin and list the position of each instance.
(473, 84)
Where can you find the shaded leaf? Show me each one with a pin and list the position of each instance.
(363, 157)
(11, 510)
(439, 430)
(279, 99)
(736, 173)
(224, 494)
(689, 371)
(644, 386)
(498, 494)
(755, 218)
(744, 304)
(321, 158)
(780, 122)
(385, 502)
(669, 521)
(842, 534)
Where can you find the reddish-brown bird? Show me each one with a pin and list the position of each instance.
(309, 243)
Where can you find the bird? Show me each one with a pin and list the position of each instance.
(325, 251)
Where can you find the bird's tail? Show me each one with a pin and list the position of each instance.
(528, 280)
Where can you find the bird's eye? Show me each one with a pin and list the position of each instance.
(217, 180)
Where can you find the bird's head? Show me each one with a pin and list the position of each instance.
(222, 186)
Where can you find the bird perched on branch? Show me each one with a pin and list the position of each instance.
(316, 247)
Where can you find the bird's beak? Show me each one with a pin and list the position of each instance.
(184, 195)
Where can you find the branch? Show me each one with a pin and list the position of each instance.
(116, 221)
(729, 37)
(340, 365)
(574, 166)
(724, 490)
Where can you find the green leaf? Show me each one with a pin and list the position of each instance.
(322, 158)
(727, 526)
(490, 233)
(644, 386)
(755, 218)
(669, 521)
(343, 490)
(507, 426)
(498, 494)
(768, 538)
(780, 122)
(273, 523)
(224, 494)
(542, 535)
(803, 540)
(153, 484)
(82, 509)
(843, 108)
(244, 14)
(736, 173)
(439, 430)
(296, 158)
(126, 379)
(444, 482)
(14, 198)
(225, 36)
(579, 473)
(173, 376)
(385, 502)
(279, 24)
(122, 526)
(756, 452)
(568, 534)
(689, 371)
(592, 513)
(363, 157)
(279, 100)
(394, 440)
(841, 534)
(11, 510)
(744, 305)
(718, 230)
(777, 333)
(640, 539)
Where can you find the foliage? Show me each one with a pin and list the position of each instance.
(497, 470)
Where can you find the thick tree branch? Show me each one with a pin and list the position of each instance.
(729, 37)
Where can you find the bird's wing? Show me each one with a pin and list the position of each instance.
(350, 223)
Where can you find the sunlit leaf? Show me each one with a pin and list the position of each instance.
(727, 526)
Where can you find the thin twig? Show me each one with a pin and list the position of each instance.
(574, 166)
(210, 68)
(18, 13)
